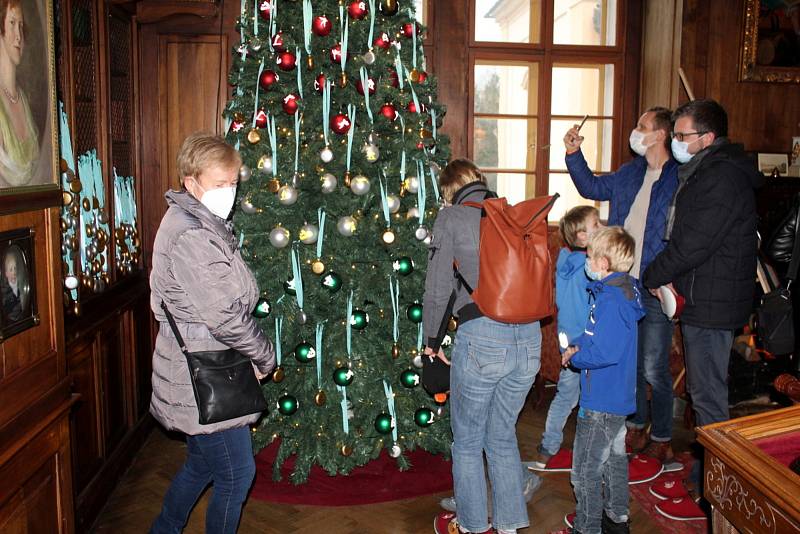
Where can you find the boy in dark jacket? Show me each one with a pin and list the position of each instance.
(605, 354)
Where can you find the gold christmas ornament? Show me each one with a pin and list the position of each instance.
(388, 237)
(310, 62)
(75, 186)
(395, 351)
(274, 185)
(452, 324)
(278, 375)
(320, 398)
(86, 204)
(347, 179)
(343, 80)
(66, 198)
(317, 267)
(346, 450)
(253, 136)
(414, 75)
(64, 226)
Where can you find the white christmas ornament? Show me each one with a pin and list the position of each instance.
(279, 237)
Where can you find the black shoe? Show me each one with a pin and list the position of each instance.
(610, 527)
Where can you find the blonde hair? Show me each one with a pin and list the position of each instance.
(574, 221)
(202, 151)
(616, 245)
(456, 175)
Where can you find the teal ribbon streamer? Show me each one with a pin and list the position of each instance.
(278, 350)
(326, 110)
(273, 143)
(85, 172)
(419, 337)
(413, 41)
(433, 121)
(403, 165)
(365, 85)
(398, 66)
(345, 31)
(421, 194)
(255, 17)
(308, 15)
(297, 118)
(67, 155)
(349, 327)
(385, 204)
(258, 85)
(435, 184)
(298, 279)
(241, 238)
(345, 422)
(394, 292)
(371, 23)
(321, 219)
(387, 389)
(351, 114)
(413, 92)
(320, 328)
(299, 54)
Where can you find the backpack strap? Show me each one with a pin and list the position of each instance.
(460, 278)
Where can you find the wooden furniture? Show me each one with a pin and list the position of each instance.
(749, 489)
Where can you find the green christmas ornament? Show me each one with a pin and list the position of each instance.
(359, 320)
(423, 417)
(343, 376)
(262, 308)
(404, 265)
(414, 312)
(409, 378)
(332, 282)
(384, 423)
(287, 405)
(288, 287)
(304, 352)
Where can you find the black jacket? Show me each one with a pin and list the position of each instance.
(711, 254)
(780, 246)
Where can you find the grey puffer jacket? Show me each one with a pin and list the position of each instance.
(456, 234)
(200, 274)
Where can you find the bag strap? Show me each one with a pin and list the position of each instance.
(544, 209)
(795, 261)
(174, 327)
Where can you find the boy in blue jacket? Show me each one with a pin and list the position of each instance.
(605, 354)
(572, 299)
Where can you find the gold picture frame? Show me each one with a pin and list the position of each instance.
(28, 111)
(769, 45)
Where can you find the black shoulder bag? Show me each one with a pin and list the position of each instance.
(774, 313)
(224, 382)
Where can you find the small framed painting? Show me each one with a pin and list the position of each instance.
(767, 163)
(17, 283)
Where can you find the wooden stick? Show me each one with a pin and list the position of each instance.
(686, 85)
(679, 378)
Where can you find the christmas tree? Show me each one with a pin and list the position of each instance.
(337, 124)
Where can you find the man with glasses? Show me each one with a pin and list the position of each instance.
(711, 260)
(640, 193)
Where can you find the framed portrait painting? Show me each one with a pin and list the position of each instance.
(771, 41)
(28, 120)
(17, 283)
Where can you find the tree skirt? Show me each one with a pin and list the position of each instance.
(378, 481)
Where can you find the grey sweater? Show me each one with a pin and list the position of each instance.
(200, 274)
(456, 236)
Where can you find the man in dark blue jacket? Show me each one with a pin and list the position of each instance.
(640, 193)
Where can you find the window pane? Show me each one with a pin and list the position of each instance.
(505, 143)
(596, 145)
(516, 187)
(569, 197)
(507, 22)
(421, 10)
(582, 89)
(510, 88)
(585, 22)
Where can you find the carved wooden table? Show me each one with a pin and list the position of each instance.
(746, 475)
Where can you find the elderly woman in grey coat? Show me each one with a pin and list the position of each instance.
(199, 273)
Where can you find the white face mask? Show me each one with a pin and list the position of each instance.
(636, 141)
(680, 149)
(219, 201)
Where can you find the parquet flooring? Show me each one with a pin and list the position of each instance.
(137, 499)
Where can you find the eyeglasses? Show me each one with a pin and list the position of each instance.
(680, 136)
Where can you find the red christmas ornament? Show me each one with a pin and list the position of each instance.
(389, 111)
(357, 10)
(395, 81)
(261, 119)
(422, 76)
(290, 103)
(383, 41)
(319, 82)
(370, 85)
(277, 42)
(420, 145)
(236, 126)
(340, 123)
(408, 29)
(336, 53)
(268, 79)
(412, 108)
(286, 61)
(264, 9)
(321, 25)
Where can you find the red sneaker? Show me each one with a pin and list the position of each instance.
(558, 463)
(669, 489)
(569, 519)
(643, 469)
(447, 523)
(681, 509)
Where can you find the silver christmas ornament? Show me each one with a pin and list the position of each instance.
(287, 195)
(102, 217)
(421, 233)
(265, 164)
(329, 183)
(245, 173)
(395, 451)
(308, 234)
(346, 226)
(412, 184)
(369, 57)
(71, 282)
(394, 203)
(326, 155)
(302, 318)
(428, 239)
(371, 152)
(256, 44)
(360, 185)
(417, 361)
(279, 237)
(296, 180)
(248, 206)
(413, 213)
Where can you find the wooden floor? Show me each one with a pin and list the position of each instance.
(137, 499)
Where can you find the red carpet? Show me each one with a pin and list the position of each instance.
(648, 501)
(378, 481)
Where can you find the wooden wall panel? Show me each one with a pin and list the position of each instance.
(763, 116)
(661, 53)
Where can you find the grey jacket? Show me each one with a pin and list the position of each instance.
(456, 235)
(200, 274)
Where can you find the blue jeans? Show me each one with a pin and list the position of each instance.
(493, 367)
(708, 352)
(223, 458)
(567, 395)
(655, 342)
(599, 470)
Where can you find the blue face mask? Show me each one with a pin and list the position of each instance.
(680, 149)
(593, 275)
